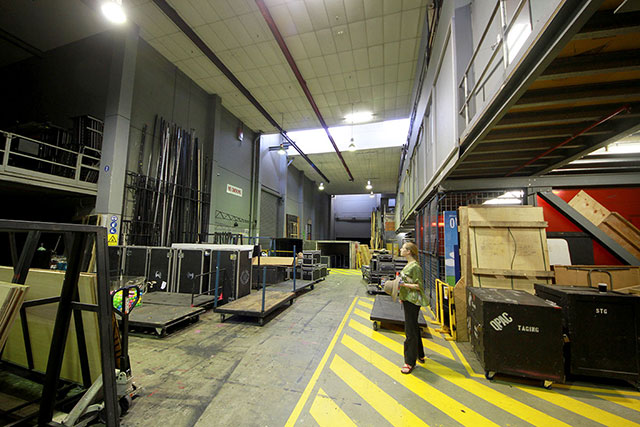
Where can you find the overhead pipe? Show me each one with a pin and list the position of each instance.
(572, 137)
(303, 84)
(171, 13)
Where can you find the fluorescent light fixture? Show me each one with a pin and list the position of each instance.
(113, 11)
(368, 186)
(321, 186)
(508, 198)
(282, 151)
(359, 117)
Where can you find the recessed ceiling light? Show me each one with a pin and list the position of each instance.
(359, 117)
(113, 11)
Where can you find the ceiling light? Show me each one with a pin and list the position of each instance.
(113, 11)
(352, 146)
(371, 195)
(282, 151)
(359, 117)
(321, 186)
(369, 186)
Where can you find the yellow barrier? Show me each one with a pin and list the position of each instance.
(445, 305)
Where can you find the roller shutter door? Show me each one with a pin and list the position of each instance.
(268, 215)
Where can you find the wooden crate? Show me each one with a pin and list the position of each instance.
(623, 232)
(507, 247)
(613, 224)
(576, 275)
(589, 207)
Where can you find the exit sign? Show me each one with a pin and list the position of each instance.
(236, 191)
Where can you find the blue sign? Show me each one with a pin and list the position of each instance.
(106, 168)
(451, 248)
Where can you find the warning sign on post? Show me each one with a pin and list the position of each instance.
(112, 229)
(113, 240)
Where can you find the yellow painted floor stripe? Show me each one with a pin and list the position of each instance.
(451, 407)
(362, 314)
(580, 408)
(620, 392)
(326, 413)
(509, 404)
(365, 304)
(314, 378)
(386, 405)
(436, 348)
(464, 362)
(633, 404)
(367, 298)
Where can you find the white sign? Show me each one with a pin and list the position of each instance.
(236, 191)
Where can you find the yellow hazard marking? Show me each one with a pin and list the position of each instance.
(365, 304)
(112, 240)
(326, 413)
(464, 362)
(362, 314)
(580, 408)
(633, 404)
(443, 351)
(314, 378)
(480, 390)
(382, 402)
(622, 392)
(451, 407)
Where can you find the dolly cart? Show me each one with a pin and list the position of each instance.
(124, 300)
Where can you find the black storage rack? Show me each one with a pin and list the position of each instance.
(78, 241)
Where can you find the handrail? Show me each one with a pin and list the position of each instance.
(74, 161)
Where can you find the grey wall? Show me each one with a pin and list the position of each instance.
(66, 82)
(162, 89)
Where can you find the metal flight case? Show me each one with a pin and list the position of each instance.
(515, 333)
(603, 330)
(160, 269)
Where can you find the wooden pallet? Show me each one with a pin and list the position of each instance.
(251, 305)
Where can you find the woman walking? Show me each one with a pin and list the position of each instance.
(413, 297)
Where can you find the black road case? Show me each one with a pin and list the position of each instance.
(603, 330)
(160, 268)
(191, 268)
(274, 274)
(516, 333)
(135, 261)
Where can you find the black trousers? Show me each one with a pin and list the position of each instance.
(413, 342)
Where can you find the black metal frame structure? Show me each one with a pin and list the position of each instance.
(79, 240)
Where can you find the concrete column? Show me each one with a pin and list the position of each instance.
(115, 142)
(212, 135)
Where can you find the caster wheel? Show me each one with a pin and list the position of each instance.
(312, 287)
(547, 384)
(222, 318)
(125, 404)
(489, 375)
(375, 326)
(261, 321)
(370, 292)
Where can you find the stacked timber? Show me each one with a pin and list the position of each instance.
(613, 224)
(11, 298)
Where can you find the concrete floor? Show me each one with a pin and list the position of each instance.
(319, 362)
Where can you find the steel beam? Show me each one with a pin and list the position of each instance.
(601, 237)
(615, 91)
(573, 181)
(607, 24)
(525, 119)
(586, 65)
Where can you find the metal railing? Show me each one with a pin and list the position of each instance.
(29, 158)
(507, 44)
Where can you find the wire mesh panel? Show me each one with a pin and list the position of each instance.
(431, 219)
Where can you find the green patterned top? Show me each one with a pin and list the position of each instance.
(412, 273)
